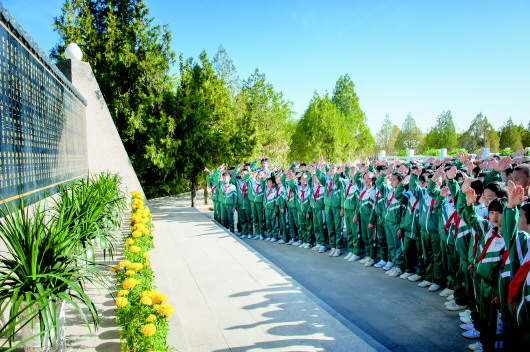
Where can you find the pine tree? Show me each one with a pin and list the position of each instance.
(510, 136)
(473, 138)
(385, 139)
(410, 135)
(443, 134)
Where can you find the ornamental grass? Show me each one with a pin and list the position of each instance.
(141, 312)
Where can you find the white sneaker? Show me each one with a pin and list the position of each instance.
(451, 297)
(332, 252)
(267, 239)
(424, 284)
(405, 276)
(298, 243)
(396, 272)
(307, 246)
(354, 258)
(471, 334)
(261, 237)
(369, 262)
(281, 242)
(315, 248)
(255, 237)
(434, 287)
(273, 240)
(388, 266)
(467, 327)
(291, 241)
(465, 313)
(388, 272)
(466, 320)
(362, 261)
(348, 256)
(448, 302)
(454, 307)
(337, 253)
(446, 292)
(414, 278)
(477, 346)
(322, 249)
(243, 236)
(380, 264)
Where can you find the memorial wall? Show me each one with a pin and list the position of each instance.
(42, 120)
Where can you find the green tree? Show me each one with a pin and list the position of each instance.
(226, 71)
(443, 134)
(267, 118)
(346, 100)
(130, 58)
(410, 136)
(525, 135)
(386, 138)
(510, 136)
(320, 132)
(205, 120)
(473, 138)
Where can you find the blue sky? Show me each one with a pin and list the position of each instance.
(421, 57)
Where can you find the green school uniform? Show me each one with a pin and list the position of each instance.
(270, 205)
(409, 225)
(228, 201)
(255, 194)
(366, 215)
(332, 208)
(393, 218)
(317, 208)
(350, 204)
(244, 213)
(303, 195)
(281, 211)
(292, 212)
(430, 239)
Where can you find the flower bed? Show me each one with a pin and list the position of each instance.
(141, 314)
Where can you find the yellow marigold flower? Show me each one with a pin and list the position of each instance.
(134, 249)
(146, 255)
(159, 298)
(121, 301)
(145, 220)
(156, 307)
(147, 293)
(130, 272)
(166, 309)
(129, 241)
(137, 233)
(112, 270)
(145, 231)
(129, 283)
(123, 293)
(150, 318)
(147, 264)
(149, 329)
(146, 300)
(124, 263)
(136, 266)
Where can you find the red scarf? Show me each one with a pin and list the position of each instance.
(289, 195)
(390, 200)
(515, 287)
(303, 194)
(451, 220)
(330, 187)
(362, 195)
(414, 206)
(226, 189)
(257, 189)
(213, 189)
(317, 192)
(348, 190)
(244, 190)
(486, 246)
(432, 204)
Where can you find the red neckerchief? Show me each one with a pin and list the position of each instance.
(213, 189)
(277, 191)
(486, 246)
(515, 287)
(244, 190)
(432, 204)
(390, 200)
(348, 190)
(451, 219)
(257, 189)
(362, 195)
(303, 193)
(475, 244)
(226, 188)
(414, 206)
(268, 193)
(289, 195)
(317, 192)
(330, 187)
(376, 196)
(504, 258)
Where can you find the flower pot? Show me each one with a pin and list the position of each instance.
(57, 342)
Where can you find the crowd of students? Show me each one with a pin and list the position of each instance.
(459, 225)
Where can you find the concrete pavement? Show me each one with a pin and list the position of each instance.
(228, 297)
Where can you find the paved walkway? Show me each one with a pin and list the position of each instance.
(228, 297)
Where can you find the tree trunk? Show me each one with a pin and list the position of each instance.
(193, 193)
(206, 192)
